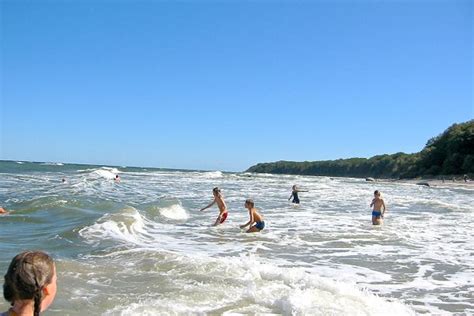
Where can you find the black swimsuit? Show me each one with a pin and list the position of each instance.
(296, 199)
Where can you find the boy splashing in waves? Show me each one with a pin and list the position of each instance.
(255, 217)
(219, 199)
(377, 213)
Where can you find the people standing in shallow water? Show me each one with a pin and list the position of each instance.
(255, 218)
(219, 199)
(377, 212)
(294, 194)
(117, 178)
(30, 284)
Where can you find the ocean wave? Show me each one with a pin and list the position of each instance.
(52, 164)
(127, 225)
(212, 174)
(108, 173)
(175, 211)
(243, 285)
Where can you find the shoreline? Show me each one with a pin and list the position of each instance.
(432, 182)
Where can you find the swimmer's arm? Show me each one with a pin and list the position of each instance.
(211, 204)
(384, 207)
(249, 222)
(371, 204)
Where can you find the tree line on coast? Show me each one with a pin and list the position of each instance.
(450, 153)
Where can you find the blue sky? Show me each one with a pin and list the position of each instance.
(224, 85)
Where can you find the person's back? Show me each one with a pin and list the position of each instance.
(30, 283)
(221, 203)
(257, 217)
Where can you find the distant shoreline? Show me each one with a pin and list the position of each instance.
(430, 182)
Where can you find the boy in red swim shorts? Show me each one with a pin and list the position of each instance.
(219, 199)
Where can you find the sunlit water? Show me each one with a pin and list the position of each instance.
(141, 247)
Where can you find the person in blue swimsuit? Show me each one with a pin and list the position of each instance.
(379, 209)
(294, 194)
(255, 222)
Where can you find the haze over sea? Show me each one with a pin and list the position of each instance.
(141, 247)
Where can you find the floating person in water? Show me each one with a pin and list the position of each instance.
(63, 180)
(377, 212)
(294, 194)
(3, 211)
(30, 283)
(219, 199)
(255, 222)
(117, 178)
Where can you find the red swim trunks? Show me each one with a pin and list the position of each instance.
(223, 217)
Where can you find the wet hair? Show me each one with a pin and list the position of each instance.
(376, 192)
(28, 274)
(216, 190)
(250, 202)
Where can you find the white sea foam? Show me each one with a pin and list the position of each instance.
(251, 286)
(52, 164)
(174, 262)
(175, 211)
(106, 174)
(127, 226)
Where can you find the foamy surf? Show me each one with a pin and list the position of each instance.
(108, 173)
(127, 226)
(175, 212)
(138, 248)
(245, 285)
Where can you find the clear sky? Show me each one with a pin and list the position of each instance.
(222, 85)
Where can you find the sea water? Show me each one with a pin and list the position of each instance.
(142, 247)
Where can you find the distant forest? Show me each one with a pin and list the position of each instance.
(451, 153)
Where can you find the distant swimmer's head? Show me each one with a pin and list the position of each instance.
(31, 276)
(376, 193)
(249, 203)
(216, 191)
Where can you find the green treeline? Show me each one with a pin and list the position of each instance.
(451, 153)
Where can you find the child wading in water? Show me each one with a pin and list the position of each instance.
(255, 217)
(219, 199)
(377, 213)
(294, 194)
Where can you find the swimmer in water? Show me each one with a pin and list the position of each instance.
(255, 222)
(377, 212)
(219, 199)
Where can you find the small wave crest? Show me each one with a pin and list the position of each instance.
(213, 174)
(246, 286)
(175, 211)
(52, 164)
(127, 226)
(106, 173)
